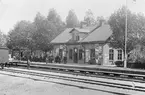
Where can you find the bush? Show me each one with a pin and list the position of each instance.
(137, 57)
(119, 63)
(92, 61)
(138, 65)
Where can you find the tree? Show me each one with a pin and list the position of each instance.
(137, 54)
(55, 19)
(136, 29)
(45, 31)
(2, 39)
(100, 19)
(89, 18)
(71, 20)
(20, 36)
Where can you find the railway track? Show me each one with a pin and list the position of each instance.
(80, 71)
(79, 80)
(90, 72)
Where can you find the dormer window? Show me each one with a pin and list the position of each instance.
(77, 38)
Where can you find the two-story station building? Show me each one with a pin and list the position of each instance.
(82, 44)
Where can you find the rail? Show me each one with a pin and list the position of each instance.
(113, 84)
(133, 73)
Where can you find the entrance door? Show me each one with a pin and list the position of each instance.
(60, 53)
(75, 55)
(92, 53)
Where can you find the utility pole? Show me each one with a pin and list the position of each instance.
(125, 56)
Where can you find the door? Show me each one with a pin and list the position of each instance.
(75, 55)
(60, 53)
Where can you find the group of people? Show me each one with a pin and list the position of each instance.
(57, 59)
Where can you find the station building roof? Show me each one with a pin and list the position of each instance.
(82, 30)
(100, 34)
(63, 37)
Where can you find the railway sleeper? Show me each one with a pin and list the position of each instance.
(53, 68)
(60, 69)
(96, 73)
(71, 70)
(131, 76)
(87, 72)
(106, 74)
(92, 72)
(83, 72)
(143, 77)
(111, 74)
(66, 70)
(99, 73)
(117, 75)
(77, 71)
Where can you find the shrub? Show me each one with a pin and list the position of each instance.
(119, 63)
(137, 57)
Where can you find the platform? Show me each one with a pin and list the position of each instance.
(89, 66)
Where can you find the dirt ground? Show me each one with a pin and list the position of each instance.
(10, 85)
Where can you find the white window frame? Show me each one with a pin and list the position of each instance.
(119, 57)
(111, 55)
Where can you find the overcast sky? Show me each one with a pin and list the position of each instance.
(12, 11)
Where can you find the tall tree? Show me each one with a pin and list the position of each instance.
(136, 29)
(100, 19)
(71, 20)
(89, 18)
(2, 39)
(20, 36)
(55, 19)
(45, 31)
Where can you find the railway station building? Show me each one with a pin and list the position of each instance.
(80, 45)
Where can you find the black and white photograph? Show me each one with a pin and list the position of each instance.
(72, 47)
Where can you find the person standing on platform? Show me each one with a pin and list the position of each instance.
(28, 61)
(47, 59)
(65, 59)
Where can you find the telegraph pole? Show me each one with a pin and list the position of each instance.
(125, 56)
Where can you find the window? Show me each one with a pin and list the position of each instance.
(119, 54)
(80, 54)
(77, 38)
(70, 54)
(87, 55)
(92, 53)
(111, 54)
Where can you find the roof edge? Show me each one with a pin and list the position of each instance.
(91, 32)
(59, 34)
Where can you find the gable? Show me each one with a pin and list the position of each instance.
(76, 33)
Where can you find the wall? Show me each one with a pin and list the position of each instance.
(104, 49)
(72, 60)
(98, 52)
(4, 55)
(106, 55)
(56, 48)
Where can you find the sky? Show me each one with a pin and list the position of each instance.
(12, 11)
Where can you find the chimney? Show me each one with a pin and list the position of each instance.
(81, 24)
(102, 22)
